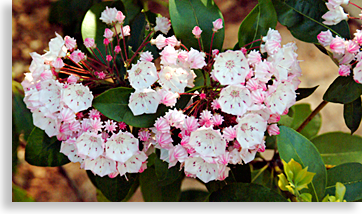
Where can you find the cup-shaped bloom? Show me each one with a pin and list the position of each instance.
(235, 99)
(142, 75)
(121, 147)
(144, 101)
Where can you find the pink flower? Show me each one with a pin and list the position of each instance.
(146, 56)
(72, 79)
(196, 59)
(122, 125)
(325, 37)
(215, 105)
(120, 17)
(338, 2)
(94, 114)
(168, 55)
(357, 73)
(205, 118)
(337, 45)
(109, 58)
(58, 63)
(344, 70)
(217, 25)
(160, 41)
(77, 56)
(168, 98)
(191, 124)
(254, 57)
(215, 52)
(126, 31)
(352, 47)
(89, 43)
(70, 43)
(172, 41)
(273, 129)
(101, 75)
(110, 126)
(162, 125)
(144, 134)
(117, 49)
(108, 33)
(177, 154)
(358, 37)
(164, 140)
(202, 96)
(217, 119)
(163, 24)
(229, 133)
(106, 41)
(274, 118)
(197, 32)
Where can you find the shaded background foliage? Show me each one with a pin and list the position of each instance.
(31, 32)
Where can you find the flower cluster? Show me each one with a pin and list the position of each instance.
(346, 52)
(247, 97)
(243, 95)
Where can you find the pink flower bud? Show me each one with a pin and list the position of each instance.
(109, 58)
(160, 41)
(117, 49)
(108, 33)
(120, 17)
(101, 75)
(202, 96)
(352, 47)
(358, 37)
(215, 52)
(344, 70)
(77, 56)
(126, 31)
(106, 41)
(325, 38)
(273, 129)
(217, 25)
(274, 118)
(172, 41)
(70, 42)
(244, 50)
(197, 32)
(72, 79)
(89, 43)
(337, 45)
(58, 63)
(146, 56)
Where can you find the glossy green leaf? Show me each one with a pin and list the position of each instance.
(338, 147)
(304, 19)
(304, 92)
(153, 190)
(301, 112)
(343, 90)
(138, 31)
(101, 197)
(116, 189)
(245, 192)
(41, 150)
(186, 14)
(193, 196)
(352, 113)
(166, 175)
(257, 23)
(93, 27)
(241, 173)
(291, 144)
(350, 175)
(22, 116)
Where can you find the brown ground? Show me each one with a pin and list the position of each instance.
(31, 32)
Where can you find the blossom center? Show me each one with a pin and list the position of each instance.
(230, 64)
(80, 93)
(234, 94)
(137, 71)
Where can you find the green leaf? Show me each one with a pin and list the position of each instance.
(164, 174)
(304, 92)
(241, 173)
(343, 90)
(186, 14)
(101, 197)
(338, 147)
(44, 151)
(291, 144)
(153, 190)
(352, 113)
(257, 23)
(138, 31)
(93, 27)
(193, 196)
(20, 195)
(22, 116)
(301, 112)
(245, 192)
(116, 189)
(114, 105)
(304, 19)
(350, 175)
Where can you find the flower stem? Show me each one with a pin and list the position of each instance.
(252, 42)
(312, 115)
(359, 7)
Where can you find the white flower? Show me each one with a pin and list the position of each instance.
(281, 97)
(357, 73)
(77, 97)
(132, 165)
(144, 101)
(163, 24)
(46, 122)
(101, 165)
(335, 15)
(207, 142)
(250, 130)
(196, 166)
(69, 149)
(235, 99)
(121, 147)
(90, 144)
(56, 49)
(231, 67)
(142, 75)
(109, 15)
(173, 78)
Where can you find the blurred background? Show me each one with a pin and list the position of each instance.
(35, 22)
